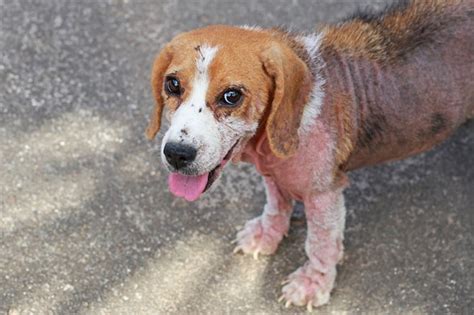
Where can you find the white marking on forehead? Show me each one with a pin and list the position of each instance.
(312, 42)
(204, 58)
(201, 78)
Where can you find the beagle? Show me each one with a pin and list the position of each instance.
(307, 108)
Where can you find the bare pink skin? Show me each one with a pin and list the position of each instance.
(313, 183)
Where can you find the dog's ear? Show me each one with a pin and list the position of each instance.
(160, 65)
(292, 87)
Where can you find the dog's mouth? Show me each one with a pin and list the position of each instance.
(192, 187)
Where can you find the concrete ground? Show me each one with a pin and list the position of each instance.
(86, 221)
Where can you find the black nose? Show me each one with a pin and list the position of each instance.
(179, 155)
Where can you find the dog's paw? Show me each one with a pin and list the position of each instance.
(307, 286)
(255, 238)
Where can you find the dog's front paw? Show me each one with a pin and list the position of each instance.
(307, 286)
(259, 238)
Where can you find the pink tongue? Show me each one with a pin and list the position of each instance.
(188, 187)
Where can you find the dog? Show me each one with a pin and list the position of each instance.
(307, 108)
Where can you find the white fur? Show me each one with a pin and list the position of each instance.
(312, 110)
(232, 129)
(194, 123)
(205, 55)
(251, 27)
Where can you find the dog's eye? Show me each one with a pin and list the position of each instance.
(172, 86)
(231, 97)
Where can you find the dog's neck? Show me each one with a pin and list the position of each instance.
(307, 47)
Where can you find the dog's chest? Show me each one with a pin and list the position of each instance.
(310, 169)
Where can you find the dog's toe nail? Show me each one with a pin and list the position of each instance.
(237, 249)
(288, 304)
(281, 298)
(309, 306)
(255, 255)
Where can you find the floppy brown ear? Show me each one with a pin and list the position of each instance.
(160, 65)
(292, 86)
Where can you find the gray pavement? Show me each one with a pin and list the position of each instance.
(87, 224)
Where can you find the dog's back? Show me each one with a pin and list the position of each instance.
(411, 76)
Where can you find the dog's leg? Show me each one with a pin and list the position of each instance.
(312, 283)
(262, 234)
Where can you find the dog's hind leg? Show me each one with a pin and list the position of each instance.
(312, 283)
(262, 234)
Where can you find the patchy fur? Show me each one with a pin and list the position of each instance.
(391, 34)
(376, 87)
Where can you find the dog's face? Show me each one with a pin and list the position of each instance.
(215, 85)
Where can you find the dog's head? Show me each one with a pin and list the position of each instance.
(217, 86)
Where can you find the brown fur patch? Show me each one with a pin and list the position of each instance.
(390, 35)
(343, 115)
